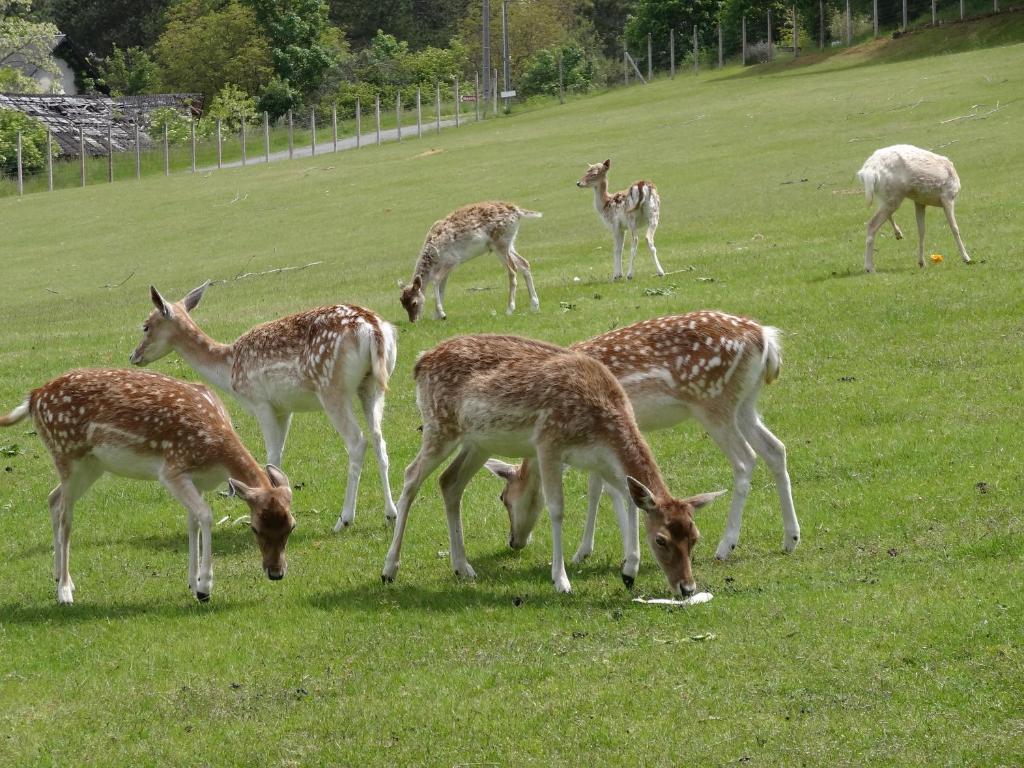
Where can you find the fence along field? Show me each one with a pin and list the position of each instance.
(300, 134)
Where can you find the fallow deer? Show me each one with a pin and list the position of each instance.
(632, 210)
(320, 359)
(462, 235)
(509, 395)
(152, 427)
(901, 171)
(708, 365)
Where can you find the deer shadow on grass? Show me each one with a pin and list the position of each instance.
(84, 612)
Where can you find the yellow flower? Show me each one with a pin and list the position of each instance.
(936, 258)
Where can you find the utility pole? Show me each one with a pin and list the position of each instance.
(486, 41)
(504, 51)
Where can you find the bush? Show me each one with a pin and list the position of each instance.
(540, 74)
(33, 142)
(231, 105)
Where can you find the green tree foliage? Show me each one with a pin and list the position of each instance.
(420, 22)
(540, 74)
(657, 17)
(296, 30)
(33, 142)
(25, 46)
(203, 48)
(127, 73)
(231, 105)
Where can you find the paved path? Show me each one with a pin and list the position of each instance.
(257, 156)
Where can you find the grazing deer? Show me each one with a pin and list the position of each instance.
(631, 210)
(900, 171)
(707, 365)
(319, 359)
(152, 427)
(460, 236)
(514, 396)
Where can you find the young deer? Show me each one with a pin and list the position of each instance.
(514, 396)
(152, 427)
(900, 171)
(707, 365)
(631, 210)
(319, 359)
(463, 234)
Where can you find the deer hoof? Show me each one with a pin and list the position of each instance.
(203, 597)
(385, 579)
(628, 580)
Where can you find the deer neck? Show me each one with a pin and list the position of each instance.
(637, 460)
(210, 359)
(240, 465)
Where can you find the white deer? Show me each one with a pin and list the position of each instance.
(152, 427)
(514, 396)
(706, 365)
(460, 236)
(901, 171)
(321, 359)
(633, 209)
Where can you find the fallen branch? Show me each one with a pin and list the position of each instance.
(972, 115)
(794, 181)
(953, 141)
(50, 290)
(118, 285)
(275, 271)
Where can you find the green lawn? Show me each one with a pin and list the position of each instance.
(892, 636)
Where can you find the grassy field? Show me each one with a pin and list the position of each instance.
(892, 636)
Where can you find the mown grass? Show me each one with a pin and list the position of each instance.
(891, 636)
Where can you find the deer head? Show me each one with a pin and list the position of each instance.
(595, 174)
(272, 519)
(412, 299)
(521, 497)
(163, 324)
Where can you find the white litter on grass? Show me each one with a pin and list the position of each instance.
(223, 520)
(241, 519)
(697, 599)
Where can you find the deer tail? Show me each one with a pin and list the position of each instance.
(383, 353)
(18, 414)
(867, 178)
(771, 355)
(529, 214)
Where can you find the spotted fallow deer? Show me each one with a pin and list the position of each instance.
(322, 358)
(518, 397)
(706, 365)
(630, 210)
(152, 427)
(894, 173)
(460, 236)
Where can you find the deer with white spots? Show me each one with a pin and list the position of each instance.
(152, 427)
(512, 396)
(632, 210)
(462, 235)
(706, 365)
(321, 359)
(894, 173)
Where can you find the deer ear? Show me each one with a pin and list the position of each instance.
(417, 283)
(641, 495)
(240, 489)
(502, 469)
(278, 479)
(703, 499)
(159, 302)
(607, 163)
(192, 300)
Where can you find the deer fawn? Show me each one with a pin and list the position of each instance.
(152, 427)
(894, 173)
(631, 210)
(319, 359)
(505, 394)
(460, 236)
(707, 365)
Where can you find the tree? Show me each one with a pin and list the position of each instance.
(657, 17)
(296, 30)
(540, 74)
(421, 23)
(25, 47)
(33, 142)
(127, 73)
(203, 49)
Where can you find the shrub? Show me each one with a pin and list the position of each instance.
(33, 142)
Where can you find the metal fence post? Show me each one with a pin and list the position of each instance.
(49, 161)
(905, 17)
(821, 24)
(110, 151)
(21, 170)
(744, 39)
(561, 81)
(961, 13)
(244, 153)
(796, 35)
(476, 94)
(874, 15)
(376, 112)
(650, 59)
(398, 113)
(359, 124)
(312, 131)
(192, 138)
(458, 100)
(721, 59)
(291, 136)
(696, 53)
(672, 53)
(771, 53)
(167, 152)
(419, 113)
(935, 18)
(849, 24)
(220, 152)
(334, 125)
(437, 104)
(266, 137)
(138, 154)
(494, 92)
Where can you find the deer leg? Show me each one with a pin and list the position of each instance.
(524, 266)
(440, 284)
(947, 206)
(274, 426)
(453, 483)
(876, 221)
(56, 506)
(896, 231)
(551, 482)
(654, 251)
(773, 451)
(339, 410)
(730, 440)
(80, 477)
(919, 212)
(432, 452)
(373, 409)
(629, 526)
(586, 547)
(634, 243)
(620, 236)
(512, 284)
(200, 517)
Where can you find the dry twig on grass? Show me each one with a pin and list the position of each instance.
(118, 285)
(275, 271)
(973, 115)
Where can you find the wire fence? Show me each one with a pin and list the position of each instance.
(126, 147)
